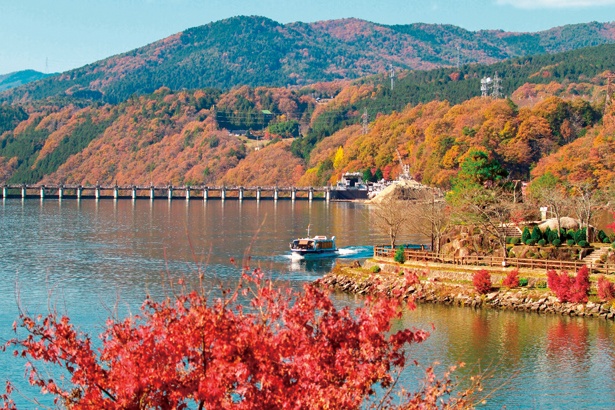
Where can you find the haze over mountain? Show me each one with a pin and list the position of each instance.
(259, 51)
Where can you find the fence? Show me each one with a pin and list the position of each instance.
(476, 260)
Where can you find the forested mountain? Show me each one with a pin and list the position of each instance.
(527, 80)
(551, 117)
(260, 52)
(12, 80)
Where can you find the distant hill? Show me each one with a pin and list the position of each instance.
(16, 79)
(553, 119)
(259, 51)
(527, 80)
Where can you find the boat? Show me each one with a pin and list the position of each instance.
(350, 187)
(313, 246)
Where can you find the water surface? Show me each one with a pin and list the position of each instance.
(91, 259)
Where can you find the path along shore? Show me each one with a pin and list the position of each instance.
(453, 286)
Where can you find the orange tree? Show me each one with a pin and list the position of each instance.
(253, 347)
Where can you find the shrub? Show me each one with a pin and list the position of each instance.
(580, 235)
(516, 240)
(512, 279)
(482, 281)
(399, 255)
(570, 242)
(613, 245)
(553, 236)
(547, 234)
(509, 240)
(536, 234)
(523, 281)
(602, 236)
(556, 242)
(525, 235)
(606, 240)
(606, 289)
(530, 242)
(375, 269)
(542, 242)
(568, 288)
(541, 284)
(570, 234)
(583, 244)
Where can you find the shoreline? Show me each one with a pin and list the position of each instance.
(449, 287)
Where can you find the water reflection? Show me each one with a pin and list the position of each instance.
(91, 257)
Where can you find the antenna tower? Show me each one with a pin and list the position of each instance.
(392, 75)
(365, 119)
(496, 88)
(484, 86)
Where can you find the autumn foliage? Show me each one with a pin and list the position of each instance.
(512, 279)
(606, 289)
(482, 281)
(568, 288)
(283, 349)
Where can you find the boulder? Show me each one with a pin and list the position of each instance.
(565, 222)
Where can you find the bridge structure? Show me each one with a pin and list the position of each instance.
(169, 192)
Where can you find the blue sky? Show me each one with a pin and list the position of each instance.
(57, 35)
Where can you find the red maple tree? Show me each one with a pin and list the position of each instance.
(253, 347)
(568, 288)
(482, 281)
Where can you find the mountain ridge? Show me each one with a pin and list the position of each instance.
(18, 78)
(255, 51)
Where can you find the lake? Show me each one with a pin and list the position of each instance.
(91, 259)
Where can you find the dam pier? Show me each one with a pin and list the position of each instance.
(168, 192)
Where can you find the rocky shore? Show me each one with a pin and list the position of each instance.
(361, 281)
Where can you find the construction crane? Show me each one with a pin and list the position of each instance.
(405, 169)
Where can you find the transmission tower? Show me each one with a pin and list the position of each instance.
(607, 99)
(392, 75)
(496, 88)
(484, 86)
(365, 119)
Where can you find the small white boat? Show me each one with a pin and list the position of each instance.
(313, 246)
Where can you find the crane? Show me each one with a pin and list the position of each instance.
(405, 168)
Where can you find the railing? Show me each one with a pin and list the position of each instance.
(491, 261)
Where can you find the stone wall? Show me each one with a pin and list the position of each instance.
(434, 290)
